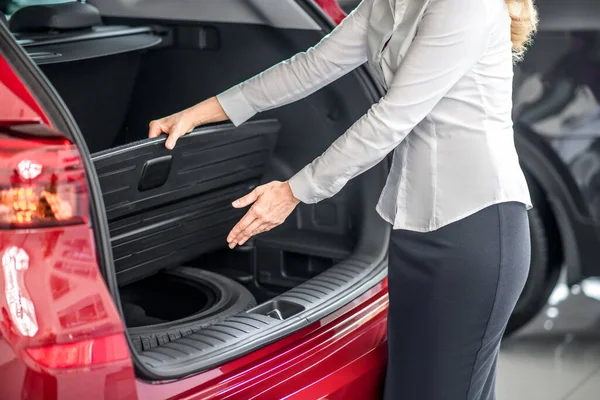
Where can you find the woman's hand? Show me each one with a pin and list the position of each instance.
(175, 126)
(273, 203)
(183, 122)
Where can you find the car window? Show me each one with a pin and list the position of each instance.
(8, 7)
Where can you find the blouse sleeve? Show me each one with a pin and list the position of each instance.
(449, 41)
(338, 53)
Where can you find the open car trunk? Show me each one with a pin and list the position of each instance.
(172, 209)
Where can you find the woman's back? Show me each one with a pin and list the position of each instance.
(461, 157)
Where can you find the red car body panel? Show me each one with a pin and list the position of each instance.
(16, 102)
(342, 356)
(79, 350)
(332, 9)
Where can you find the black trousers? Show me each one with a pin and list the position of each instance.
(451, 294)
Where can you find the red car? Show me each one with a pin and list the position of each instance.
(117, 281)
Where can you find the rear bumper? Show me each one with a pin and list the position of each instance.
(339, 357)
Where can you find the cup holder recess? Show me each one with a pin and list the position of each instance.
(277, 309)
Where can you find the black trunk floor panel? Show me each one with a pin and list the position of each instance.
(180, 209)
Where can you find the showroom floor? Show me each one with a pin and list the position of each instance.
(557, 356)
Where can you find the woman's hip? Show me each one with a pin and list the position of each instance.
(476, 248)
(452, 278)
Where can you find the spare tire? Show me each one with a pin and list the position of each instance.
(177, 302)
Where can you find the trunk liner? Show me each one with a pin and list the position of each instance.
(166, 207)
(232, 335)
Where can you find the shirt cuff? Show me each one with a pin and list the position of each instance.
(303, 187)
(235, 105)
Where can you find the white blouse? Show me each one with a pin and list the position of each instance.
(447, 68)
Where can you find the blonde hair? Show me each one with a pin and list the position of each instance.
(524, 18)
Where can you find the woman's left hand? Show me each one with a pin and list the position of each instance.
(273, 203)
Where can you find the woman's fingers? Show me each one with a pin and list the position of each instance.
(273, 203)
(235, 233)
(248, 199)
(251, 219)
(175, 126)
(175, 134)
(255, 228)
(155, 129)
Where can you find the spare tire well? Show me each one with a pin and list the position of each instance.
(224, 298)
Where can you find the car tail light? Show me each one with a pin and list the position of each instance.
(332, 9)
(42, 182)
(55, 309)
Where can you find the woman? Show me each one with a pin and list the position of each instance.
(456, 196)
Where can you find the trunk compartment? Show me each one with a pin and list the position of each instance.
(166, 209)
